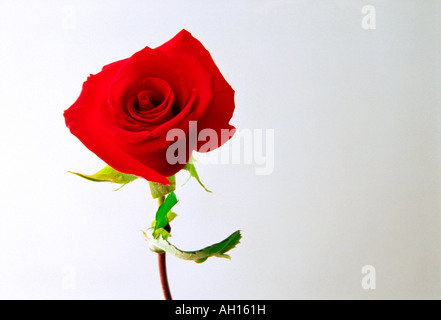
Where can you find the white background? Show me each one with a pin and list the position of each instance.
(356, 181)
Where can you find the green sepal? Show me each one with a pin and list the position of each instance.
(159, 190)
(108, 174)
(162, 215)
(193, 173)
(160, 245)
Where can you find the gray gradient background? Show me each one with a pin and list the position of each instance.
(356, 182)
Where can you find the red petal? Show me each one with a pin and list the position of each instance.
(184, 42)
(218, 115)
(89, 119)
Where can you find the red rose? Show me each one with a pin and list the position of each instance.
(124, 112)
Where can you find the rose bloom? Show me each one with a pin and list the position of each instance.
(124, 112)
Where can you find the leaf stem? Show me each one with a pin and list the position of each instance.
(163, 267)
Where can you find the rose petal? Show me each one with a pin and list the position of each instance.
(220, 111)
(197, 77)
(88, 119)
(153, 64)
(218, 117)
(184, 42)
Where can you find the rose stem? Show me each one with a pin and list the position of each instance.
(163, 267)
(163, 275)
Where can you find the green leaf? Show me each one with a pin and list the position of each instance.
(164, 233)
(161, 245)
(193, 173)
(163, 213)
(171, 216)
(159, 190)
(108, 174)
